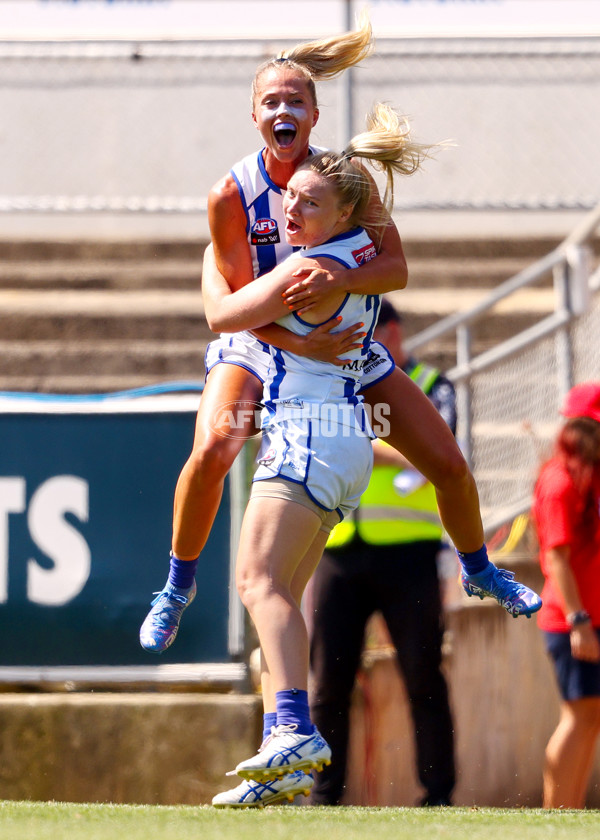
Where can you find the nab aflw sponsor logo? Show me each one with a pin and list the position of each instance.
(365, 254)
(264, 232)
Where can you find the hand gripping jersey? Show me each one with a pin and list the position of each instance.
(293, 377)
(316, 432)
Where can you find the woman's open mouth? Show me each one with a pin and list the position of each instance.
(285, 134)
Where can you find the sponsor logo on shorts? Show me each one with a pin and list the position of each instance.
(365, 254)
(374, 361)
(357, 365)
(264, 232)
(268, 458)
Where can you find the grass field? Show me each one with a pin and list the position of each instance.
(62, 821)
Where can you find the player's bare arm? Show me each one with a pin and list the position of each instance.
(323, 343)
(260, 303)
(227, 222)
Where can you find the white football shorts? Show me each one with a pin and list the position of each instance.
(241, 349)
(332, 462)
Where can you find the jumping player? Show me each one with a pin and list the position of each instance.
(316, 455)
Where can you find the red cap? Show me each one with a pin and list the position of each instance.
(583, 401)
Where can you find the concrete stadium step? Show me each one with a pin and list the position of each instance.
(179, 314)
(47, 250)
(477, 263)
(436, 303)
(90, 317)
(424, 307)
(96, 274)
(115, 274)
(526, 248)
(107, 264)
(181, 359)
(483, 272)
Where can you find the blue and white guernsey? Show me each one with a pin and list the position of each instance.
(316, 432)
(262, 201)
(293, 377)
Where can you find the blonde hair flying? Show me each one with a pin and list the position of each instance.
(388, 146)
(323, 59)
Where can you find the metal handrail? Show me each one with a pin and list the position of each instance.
(570, 301)
(527, 277)
(524, 278)
(574, 281)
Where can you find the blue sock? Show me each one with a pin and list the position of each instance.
(292, 707)
(182, 572)
(269, 720)
(474, 562)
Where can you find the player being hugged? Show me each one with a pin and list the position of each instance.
(316, 455)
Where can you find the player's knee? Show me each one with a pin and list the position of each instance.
(213, 456)
(253, 589)
(454, 472)
(458, 469)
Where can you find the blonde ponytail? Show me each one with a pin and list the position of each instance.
(329, 57)
(323, 59)
(388, 146)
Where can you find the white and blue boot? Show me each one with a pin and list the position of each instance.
(286, 751)
(251, 794)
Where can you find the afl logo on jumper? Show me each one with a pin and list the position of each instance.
(264, 232)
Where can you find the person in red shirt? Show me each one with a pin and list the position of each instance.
(567, 517)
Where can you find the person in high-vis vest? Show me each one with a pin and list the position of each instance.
(384, 558)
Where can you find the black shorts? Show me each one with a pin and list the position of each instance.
(576, 679)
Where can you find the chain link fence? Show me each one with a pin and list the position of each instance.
(515, 409)
(150, 126)
(515, 413)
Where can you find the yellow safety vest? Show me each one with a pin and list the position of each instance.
(384, 515)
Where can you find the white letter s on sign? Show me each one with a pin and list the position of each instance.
(64, 545)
